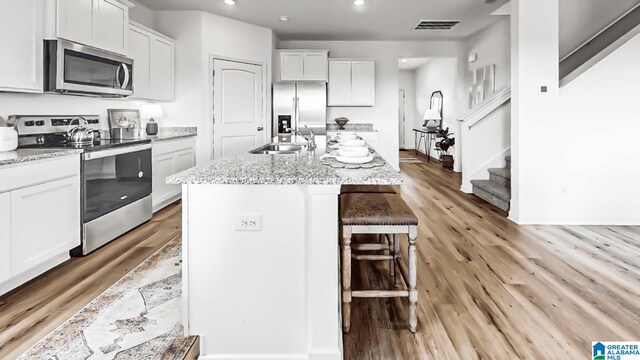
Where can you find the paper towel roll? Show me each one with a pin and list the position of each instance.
(8, 139)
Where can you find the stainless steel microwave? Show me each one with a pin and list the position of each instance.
(77, 69)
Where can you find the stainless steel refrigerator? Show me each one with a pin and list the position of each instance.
(298, 104)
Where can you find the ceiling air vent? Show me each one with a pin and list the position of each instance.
(436, 24)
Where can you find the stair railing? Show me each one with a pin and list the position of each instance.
(480, 112)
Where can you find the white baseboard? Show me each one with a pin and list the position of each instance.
(27, 275)
(254, 357)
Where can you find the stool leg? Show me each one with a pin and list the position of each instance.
(413, 279)
(392, 268)
(395, 252)
(346, 278)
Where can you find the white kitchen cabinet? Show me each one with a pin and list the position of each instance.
(21, 35)
(37, 233)
(170, 157)
(111, 25)
(153, 55)
(352, 82)
(303, 65)
(39, 217)
(102, 24)
(5, 236)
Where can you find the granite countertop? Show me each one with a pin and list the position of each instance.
(333, 127)
(25, 155)
(304, 169)
(172, 133)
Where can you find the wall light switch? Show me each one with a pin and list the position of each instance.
(248, 223)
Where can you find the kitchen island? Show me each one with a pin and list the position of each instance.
(261, 254)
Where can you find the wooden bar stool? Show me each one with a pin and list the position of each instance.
(377, 213)
(383, 189)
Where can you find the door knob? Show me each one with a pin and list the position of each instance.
(260, 128)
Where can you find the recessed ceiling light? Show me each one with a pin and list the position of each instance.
(230, 2)
(284, 18)
(404, 60)
(358, 2)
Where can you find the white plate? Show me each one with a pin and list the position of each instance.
(353, 151)
(354, 160)
(347, 137)
(353, 143)
(348, 133)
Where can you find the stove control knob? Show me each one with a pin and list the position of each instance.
(40, 123)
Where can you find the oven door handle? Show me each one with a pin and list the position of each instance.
(113, 152)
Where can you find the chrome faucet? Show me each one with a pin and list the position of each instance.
(311, 138)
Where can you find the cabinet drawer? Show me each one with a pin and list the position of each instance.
(37, 172)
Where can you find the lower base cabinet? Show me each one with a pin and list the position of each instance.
(39, 218)
(170, 157)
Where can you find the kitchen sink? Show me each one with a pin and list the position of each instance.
(278, 149)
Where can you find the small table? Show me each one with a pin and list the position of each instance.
(428, 136)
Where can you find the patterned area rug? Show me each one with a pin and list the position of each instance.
(139, 317)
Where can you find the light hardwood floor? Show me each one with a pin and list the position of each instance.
(34, 310)
(490, 289)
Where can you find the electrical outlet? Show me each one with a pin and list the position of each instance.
(248, 223)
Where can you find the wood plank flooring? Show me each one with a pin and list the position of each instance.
(490, 289)
(32, 311)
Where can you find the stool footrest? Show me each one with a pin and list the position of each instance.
(372, 257)
(369, 247)
(379, 293)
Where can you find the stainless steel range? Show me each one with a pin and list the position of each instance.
(116, 174)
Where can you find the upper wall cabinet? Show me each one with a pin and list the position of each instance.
(352, 82)
(21, 34)
(303, 65)
(99, 23)
(153, 56)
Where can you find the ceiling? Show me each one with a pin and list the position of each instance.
(342, 20)
(412, 63)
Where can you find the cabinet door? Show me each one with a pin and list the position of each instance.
(21, 34)
(184, 160)
(162, 167)
(315, 67)
(161, 66)
(45, 222)
(139, 51)
(110, 26)
(75, 20)
(291, 66)
(363, 86)
(5, 236)
(339, 83)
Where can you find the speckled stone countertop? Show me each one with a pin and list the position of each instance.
(25, 155)
(304, 169)
(351, 127)
(172, 133)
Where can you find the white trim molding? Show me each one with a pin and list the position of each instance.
(486, 107)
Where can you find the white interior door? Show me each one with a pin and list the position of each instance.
(401, 119)
(238, 96)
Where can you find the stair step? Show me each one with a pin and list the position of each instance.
(502, 172)
(501, 176)
(493, 193)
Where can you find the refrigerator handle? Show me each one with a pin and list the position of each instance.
(296, 111)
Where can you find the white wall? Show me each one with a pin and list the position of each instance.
(384, 116)
(53, 104)
(488, 142)
(582, 19)
(407, 83)
(440, 74)
(199, 36)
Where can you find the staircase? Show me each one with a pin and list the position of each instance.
(496, 190)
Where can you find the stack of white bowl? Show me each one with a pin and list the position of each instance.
(352, 150)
